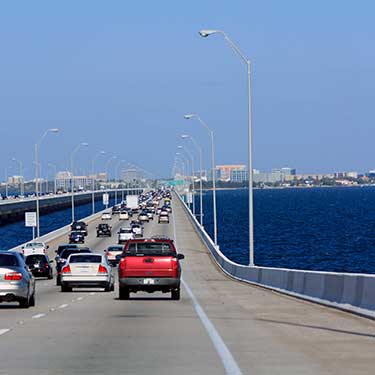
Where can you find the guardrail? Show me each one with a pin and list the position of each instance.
(352, 292)
(60, 232)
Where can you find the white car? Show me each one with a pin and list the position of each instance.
(125, 234)
(112, 252)
(163, 217)
(143, 216)
(87, 270)
(124, 215)
(137, 230)
(34, 248)
(106, 216)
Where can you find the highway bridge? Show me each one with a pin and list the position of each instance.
(220, 325)
(14, 209)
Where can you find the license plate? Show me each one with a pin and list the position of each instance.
(148, 281)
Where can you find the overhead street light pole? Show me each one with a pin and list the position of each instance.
(193, 172)
(83, 144)
(22, 182)
(199, 148)
(114, 157)
(117, 176)
(54, 179)
(211, 132)
(94, 179)
(36, 156)
(236, 49)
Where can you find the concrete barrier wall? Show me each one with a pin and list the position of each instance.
(346, 291)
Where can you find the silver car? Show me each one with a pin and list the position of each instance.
(17, 283)
(87, 270)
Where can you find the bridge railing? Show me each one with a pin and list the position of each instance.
(351, 292)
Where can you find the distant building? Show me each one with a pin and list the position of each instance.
(239, 175)
(63, 181)
(14, 180)
(225, 170)
(132, 174)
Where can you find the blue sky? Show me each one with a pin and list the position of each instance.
(120, 75)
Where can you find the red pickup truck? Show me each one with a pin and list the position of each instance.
(150, 265)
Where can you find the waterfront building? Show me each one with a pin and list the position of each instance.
(225, 170)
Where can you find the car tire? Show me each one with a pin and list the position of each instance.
(50, 276)
(58, 281)
(175, 294)
(113, 287)
(65, 289)
(124, 293)
(32, 300)
(108, 288)
(24, 303)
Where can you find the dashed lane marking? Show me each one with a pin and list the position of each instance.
(63, 306)
(38, 316)
(4, 331)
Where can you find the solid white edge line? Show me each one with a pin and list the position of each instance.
(4, 331)
(229, 363)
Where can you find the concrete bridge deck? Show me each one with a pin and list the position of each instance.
(219, 326)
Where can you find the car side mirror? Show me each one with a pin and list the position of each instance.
(180, 256)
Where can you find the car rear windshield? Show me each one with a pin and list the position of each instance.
(34, 244)
(85, 259)
(115, 248)
(7, 260)
(31, 259)
(150, 248)
(65, 254)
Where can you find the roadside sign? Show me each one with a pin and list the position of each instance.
(30, 219)
(106, 199)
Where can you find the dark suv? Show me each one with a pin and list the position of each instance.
(79, 226)
(103, 229)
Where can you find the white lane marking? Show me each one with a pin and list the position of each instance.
(79, 298)
(63, 306)
(52, 309)
(4, 331)
(229, 363)
(38, 316)
(92, 293)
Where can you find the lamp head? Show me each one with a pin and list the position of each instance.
(189, 116)
(185, 136)
(180, 147)
(84, 144)
(54, 130)
(206, 33)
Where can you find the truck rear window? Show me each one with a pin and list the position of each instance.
(150, 249)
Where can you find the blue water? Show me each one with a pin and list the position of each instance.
(15, 233)
(331, 229)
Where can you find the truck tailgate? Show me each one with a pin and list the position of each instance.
(149, 266)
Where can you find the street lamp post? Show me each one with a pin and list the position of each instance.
(114, 157)
(36, 156)
(22, 182)
(193, 173)
(83, 144)
(186, 168)
(53, 166)
(211, 132)
(199, 148)
(117, 176)
(236, 49)
(93, 179)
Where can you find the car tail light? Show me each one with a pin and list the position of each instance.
(109, 254)
(102, 269)
(13, 276)
(66, 269)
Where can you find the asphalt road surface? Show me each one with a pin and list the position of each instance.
(219, 326)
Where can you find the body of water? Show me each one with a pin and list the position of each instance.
(331, 229)
(15, 233)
